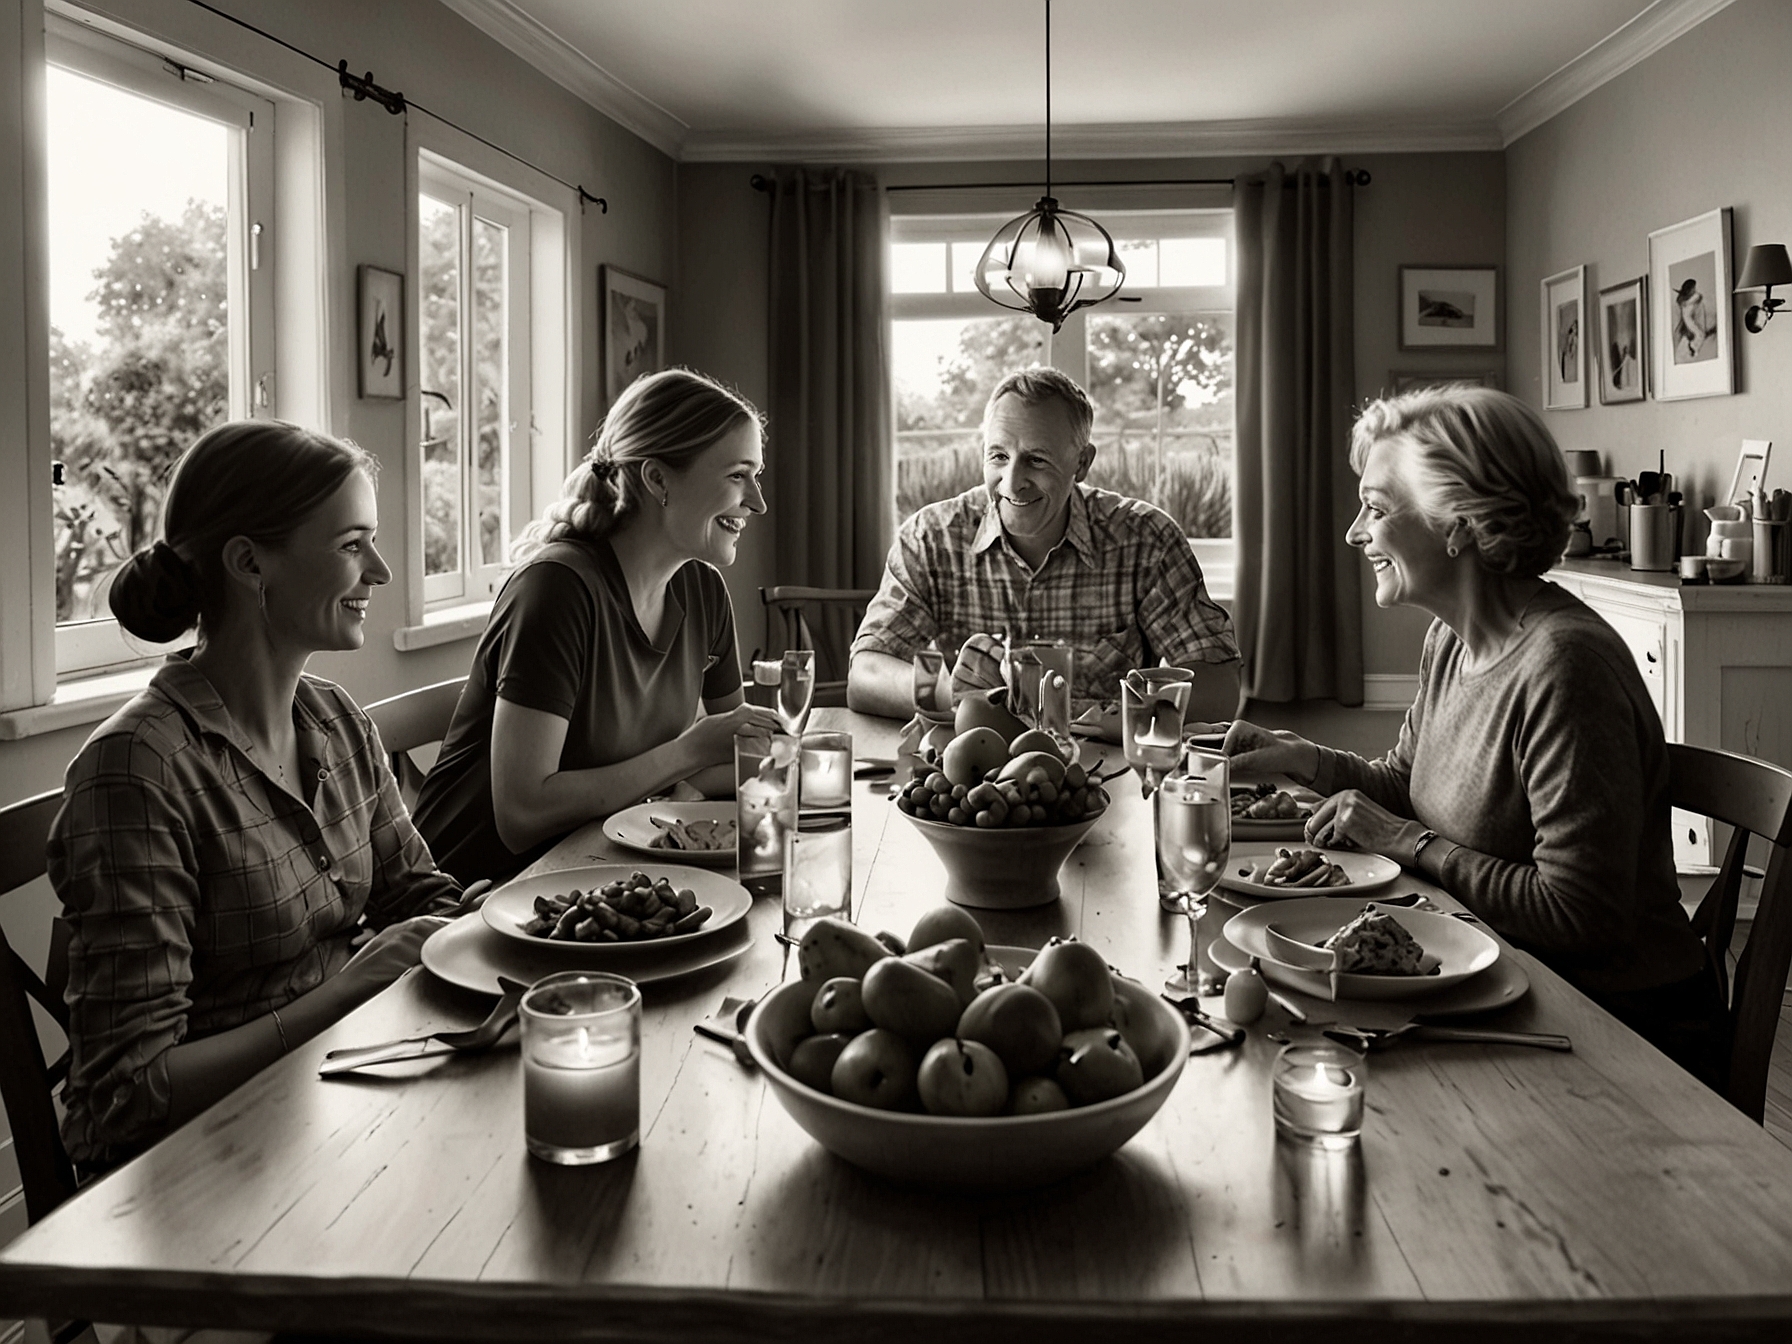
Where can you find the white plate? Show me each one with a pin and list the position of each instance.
(513, 905)
(633, 828)
(1366, 872)
(469, 954)
(1462, 950)
(1502, 983)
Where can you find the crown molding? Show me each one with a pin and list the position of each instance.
(1134, 140)
(570, 68)
(1636, 41)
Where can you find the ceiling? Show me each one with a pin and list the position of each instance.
(961, 79)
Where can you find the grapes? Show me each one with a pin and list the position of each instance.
(997, 803)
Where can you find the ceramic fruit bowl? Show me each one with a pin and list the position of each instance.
(1004, 1152)
(1002, 867)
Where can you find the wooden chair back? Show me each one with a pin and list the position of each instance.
(1755, 798)
(27, 1083)
(413, 719)
(822, 619)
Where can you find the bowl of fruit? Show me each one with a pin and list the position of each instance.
(1002, 815)
(953, 1063)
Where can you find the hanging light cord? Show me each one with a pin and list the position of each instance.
(364, 89)
(1048, 97)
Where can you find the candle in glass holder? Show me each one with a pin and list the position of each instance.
(581, 1052)
(1318, 1094)
(827, 770)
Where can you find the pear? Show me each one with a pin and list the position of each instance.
(1097, 1064)
(832, 947)
(988, 709)
(1018, 1023)
(944, 922)
(902, 998)
(961, 1078)
(839, 1006)
(1036, 1096)
(967, 756)
(955, 961)
(1074, 976)
(812, 1061)
(877, 1068)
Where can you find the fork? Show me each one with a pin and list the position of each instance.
(474, 1039)
(1379, 1038)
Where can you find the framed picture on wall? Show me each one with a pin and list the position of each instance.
(1399, 382)
(1564, 340)
(379, 326)
(1450, 307)
(634, 320)
(1623, 341)
(1691, 336)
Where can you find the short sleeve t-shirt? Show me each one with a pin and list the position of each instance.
(563, 639)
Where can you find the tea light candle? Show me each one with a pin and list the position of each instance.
(1318, 1094)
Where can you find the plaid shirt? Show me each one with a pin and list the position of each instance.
(201, 895)
(1123, 587)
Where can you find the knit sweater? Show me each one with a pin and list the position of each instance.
(1549, 772)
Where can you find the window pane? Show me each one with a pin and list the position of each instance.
(1193, 261)
(1162, 388)
(139, 317)
(917, 268)
(965, 257)
(1139, 256)
(944, 371)
(438, 257)
(491, 367)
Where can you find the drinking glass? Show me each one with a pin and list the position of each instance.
(1153, 702)
(1193, 812)
(1039, 674)
(933, 683)
(767, 769)
(817, 872)
(581, 1048)
(1318, 1094)
(796, 687)
(827, 770)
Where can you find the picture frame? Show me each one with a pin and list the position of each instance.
(634, 324)
(379, 327)
(1623, 341)
(1691, 319)
(1449, 308)
(1751, 471)
(1401, 381)
(1564, 340)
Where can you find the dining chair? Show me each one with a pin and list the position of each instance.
(822, 619)
(413, 719)
(1755, 798)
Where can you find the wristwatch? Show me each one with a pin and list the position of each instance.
(1418, 846)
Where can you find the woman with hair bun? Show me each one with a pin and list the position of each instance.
(1530, 778)
(604, 643)
(234, 861)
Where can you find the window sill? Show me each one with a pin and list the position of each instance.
(75, 703)
(443, 627)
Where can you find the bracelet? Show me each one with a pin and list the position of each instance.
(1418, 846)
(280, 1027)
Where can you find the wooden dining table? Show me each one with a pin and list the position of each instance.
(1497, 1191)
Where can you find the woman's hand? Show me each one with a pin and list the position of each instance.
(1262, 751)
(711, 738)
(384, 956)
(1353, 820)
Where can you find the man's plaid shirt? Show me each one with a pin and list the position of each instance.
(1123, 588)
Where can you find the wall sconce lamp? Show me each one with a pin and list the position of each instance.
(1767, 266)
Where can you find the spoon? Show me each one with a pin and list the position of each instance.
(482, 1037)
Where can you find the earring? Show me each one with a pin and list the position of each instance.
(1452, 551)
(663, 499)
(261, 596)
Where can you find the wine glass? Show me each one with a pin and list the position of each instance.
(1193, 811)
(1153, 701)
(796, 687)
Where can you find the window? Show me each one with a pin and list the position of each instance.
(161, 312)
(1159, 370)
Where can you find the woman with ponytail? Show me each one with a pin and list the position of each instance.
(611, 635)
(234, 861)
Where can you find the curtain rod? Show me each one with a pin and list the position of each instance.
(364, 89)
(1357, 177)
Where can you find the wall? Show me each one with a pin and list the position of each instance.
(1698, 125)
(1419, 208)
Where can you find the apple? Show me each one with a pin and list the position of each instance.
(1018, 1023)
(1074, 976)
(1036, 1096)
(877, 1069)
(839, 1006)
(832, 947)
(967, 756)
(955, 961)
(901, 997)
(812, 1061)
(988, 709)
(962, 1078)
(1096, 1064)
(943, 922)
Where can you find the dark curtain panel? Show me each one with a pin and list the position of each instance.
(830, 490)
(1298, 620)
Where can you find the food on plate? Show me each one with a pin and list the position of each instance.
(945, 1030)
(1265, 802)
(1375, 943)
(1296, 868)
(628, 910)
(697, 835)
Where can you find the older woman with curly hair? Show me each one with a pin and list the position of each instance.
(1530, 778)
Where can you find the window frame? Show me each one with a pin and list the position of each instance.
(98, 646)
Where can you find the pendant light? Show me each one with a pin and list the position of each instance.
(1049, 262)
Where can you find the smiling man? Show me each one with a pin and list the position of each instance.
(1034, 552)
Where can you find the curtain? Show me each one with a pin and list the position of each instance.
(831, 493)
(1298, 620)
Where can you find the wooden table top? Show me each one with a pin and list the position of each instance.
(1496, 1190)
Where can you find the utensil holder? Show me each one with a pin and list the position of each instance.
(1769, 564)
(1654, 537)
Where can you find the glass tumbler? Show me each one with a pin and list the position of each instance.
(767, 771)
(817, 872)
(581, 1047)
